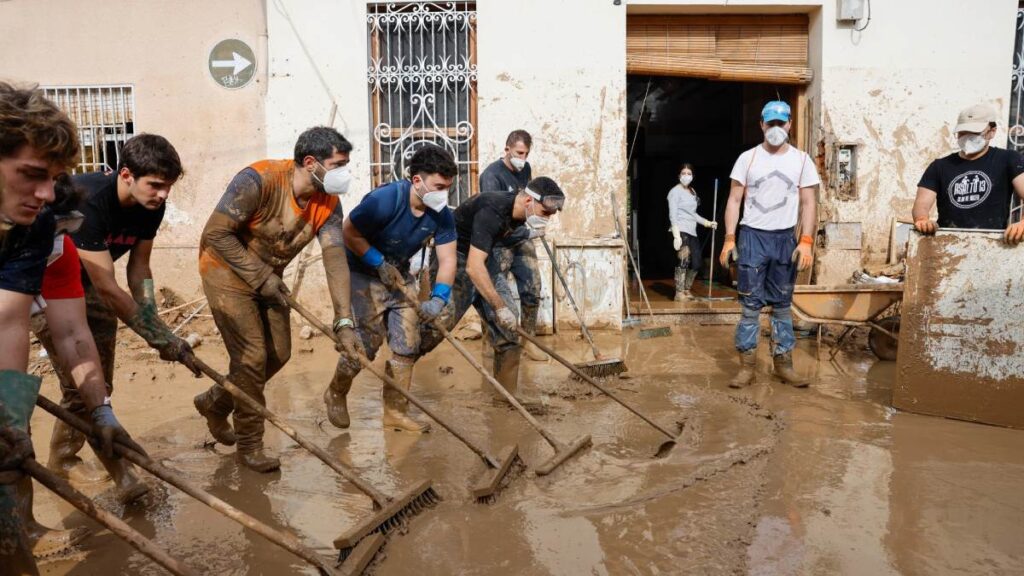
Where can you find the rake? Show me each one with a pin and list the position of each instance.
(487, 488)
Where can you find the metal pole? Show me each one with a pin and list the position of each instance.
(714, 215)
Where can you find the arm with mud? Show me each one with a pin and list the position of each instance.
(236, 208)
(332, 244)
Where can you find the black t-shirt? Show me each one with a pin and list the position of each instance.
(498, 178)
(485, 219)
(109, 226)
(23, 254)
(974, 193)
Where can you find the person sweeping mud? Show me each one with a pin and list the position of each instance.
(776, 184)
(268, 214)
(481, 222)
(388, 227)
(517, 254)
(974, 186)
(682, 214)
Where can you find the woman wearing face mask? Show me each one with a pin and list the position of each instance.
(682, 213)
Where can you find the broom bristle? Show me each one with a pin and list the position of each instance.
(600, 368)
(394, 515)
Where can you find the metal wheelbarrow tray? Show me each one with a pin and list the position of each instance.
(853, 305)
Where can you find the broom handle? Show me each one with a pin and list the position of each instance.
(63, 489)
(378, 498)
(714, 215)
(572, 300)
(593, 382)
(629, 251)
(390, 382)
(287, 541)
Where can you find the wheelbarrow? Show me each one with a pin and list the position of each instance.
(852, 306)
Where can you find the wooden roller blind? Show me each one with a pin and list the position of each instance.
(737, 48)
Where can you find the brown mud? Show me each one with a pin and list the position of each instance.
(768, 480)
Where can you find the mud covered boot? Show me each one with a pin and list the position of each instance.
(784, 370)
(258, 460)
(506, 372)
(396, 406)
(215, 410)
(128, 486)
(533, 353)
(336, 401)
(682, 290)
(65, 442)
(748, 370)
(45, 542)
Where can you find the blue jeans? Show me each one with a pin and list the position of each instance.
(766, 276)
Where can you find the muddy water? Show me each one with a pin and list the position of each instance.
(766, 481)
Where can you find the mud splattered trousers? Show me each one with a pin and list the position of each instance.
(521, 261)
(257, 335)
(464, 295)
(103, 325)
(379, 314)
(689, 255)
(766, 276)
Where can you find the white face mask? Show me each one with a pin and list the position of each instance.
(685, 179)
(776, 135)
(536, 222)
(436, 200)
(336, 181)
(971, 144)
(517, 163)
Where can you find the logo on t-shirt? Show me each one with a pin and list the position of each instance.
(969, 189)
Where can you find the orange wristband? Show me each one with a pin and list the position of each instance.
(805, 239)
(730, 237)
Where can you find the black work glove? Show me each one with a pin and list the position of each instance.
(148, 324)
(106, 430)
(274, 289)
(15, 448)
(390, 276)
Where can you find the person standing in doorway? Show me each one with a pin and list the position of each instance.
(974, 186)
(682, 213)
(776, 184)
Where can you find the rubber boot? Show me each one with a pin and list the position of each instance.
(691, 275)
(784, 370)
(682, 292)
(128, 486)
(336, 400)
(748, 370)
(215, 410)
(65, 442)
(45, 542)
(396, 406)
(506, 372)
(259, 460)
(534, 353)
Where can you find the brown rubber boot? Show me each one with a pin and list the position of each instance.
(533, 353)
(45, 542)
(128, 486)
(336, 401)
(258, 460)
(396, 406)
(65, 442)
(784, 370)
(506, 372)
(215, 408)
(748, 370)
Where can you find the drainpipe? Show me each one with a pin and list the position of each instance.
(263, 49)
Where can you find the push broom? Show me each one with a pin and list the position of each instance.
(490, 484)
(600, 366)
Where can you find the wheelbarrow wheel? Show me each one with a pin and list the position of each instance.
(883, 345)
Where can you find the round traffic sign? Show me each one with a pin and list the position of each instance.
(232, 63)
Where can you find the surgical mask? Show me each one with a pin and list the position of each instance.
(517, 163)
(685, 179)
(335, 181)
(436, 200)
(536, 222)
(971, 144)
(776, 135)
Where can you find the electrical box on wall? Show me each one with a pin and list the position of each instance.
(849, 10)
(845, 176)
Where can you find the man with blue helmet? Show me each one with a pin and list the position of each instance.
(776, 185)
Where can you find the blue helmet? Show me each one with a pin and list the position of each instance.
(775, 110)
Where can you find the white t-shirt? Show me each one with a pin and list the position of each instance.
(773, 181)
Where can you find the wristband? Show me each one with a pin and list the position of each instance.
(805, 239)
(343, 323)
(730, 237)
(372, 257)
(442, 291)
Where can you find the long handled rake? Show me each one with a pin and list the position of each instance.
(487, 488)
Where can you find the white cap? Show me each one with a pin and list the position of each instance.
(975, 118)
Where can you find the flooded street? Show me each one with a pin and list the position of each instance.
(768, 480)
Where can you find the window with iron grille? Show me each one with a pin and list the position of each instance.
(1015, 133)
(421, 73)
(105, 116)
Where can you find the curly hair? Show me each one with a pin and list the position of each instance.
(27, 117)
(432, 159)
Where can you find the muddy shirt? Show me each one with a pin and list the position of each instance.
(974, 193)
(772, 184)
(497, 177)
(258, 227)
(484, 220)
(23, 254)
(108, 225)
(385, 220)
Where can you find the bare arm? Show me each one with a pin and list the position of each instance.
(732, 207)
(1018, 186)
(100, 268)
(809, 211)
(476, 267)
(14, 328)
(336, 263)
(446, 262)
(354, 239)
(925, 199)
(76, 349)
(138, 267)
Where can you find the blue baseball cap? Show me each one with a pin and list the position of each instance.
(775, 110)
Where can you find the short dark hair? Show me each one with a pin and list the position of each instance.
(67, 195)
(686, 166)
(432, 159)
(27, 117)
(516, 136)
(151, 155)
(545, 187)
(320, 142)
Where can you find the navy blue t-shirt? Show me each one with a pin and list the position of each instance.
(23, 254)
(384, 218)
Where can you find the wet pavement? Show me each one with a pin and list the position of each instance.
(769, 480)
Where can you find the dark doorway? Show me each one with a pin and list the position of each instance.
(703, 122)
